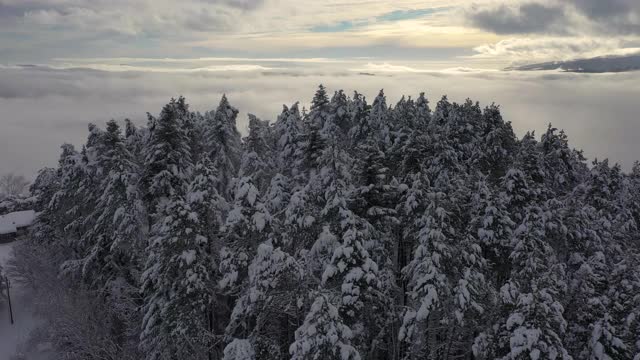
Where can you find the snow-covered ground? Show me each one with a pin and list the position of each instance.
(24, 321)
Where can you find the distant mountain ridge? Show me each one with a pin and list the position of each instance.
(601, 64)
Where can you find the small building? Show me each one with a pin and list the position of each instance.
(8, 232)
(15, 225)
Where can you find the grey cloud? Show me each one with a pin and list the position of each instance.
(524, 18)
(131, 18)
(8, 11)
(611, 16)
(206, 20)
(242, 4)
(558, 17)
(597, 9)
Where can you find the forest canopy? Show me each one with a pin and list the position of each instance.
(351, 230)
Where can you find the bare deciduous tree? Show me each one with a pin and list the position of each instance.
(12, 184)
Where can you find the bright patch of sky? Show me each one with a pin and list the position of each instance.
(396, 15)
(341, 26)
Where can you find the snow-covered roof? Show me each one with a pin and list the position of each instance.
(11, 221)
(7, 227)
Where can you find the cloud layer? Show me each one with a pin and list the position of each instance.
(44, 107)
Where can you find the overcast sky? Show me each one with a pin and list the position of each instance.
(64, 63)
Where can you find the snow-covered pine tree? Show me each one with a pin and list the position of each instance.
(587, 271)
(323, 335)
(168, 162)
(256, 157)
(266, 309)
(496, 144)
(462, 128)
(445, 274)
(204, 200)
(441, 113)
(177, 286)
(535, 323)
(239, 349)
(374, 199)
(45, 187)
(376, 122)
(493, 228)
(224, 144)
(67, 216)
(287, 133)
(340, 111)
(116, 238)
(444, 284)
(562, 164)
(312, 139)
(530, 161)
(608, 194)
(340, 254)
(423, 110)
(176, 281)
(247, 225)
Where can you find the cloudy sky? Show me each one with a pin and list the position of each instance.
(64, 63)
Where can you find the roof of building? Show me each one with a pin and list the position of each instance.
(9, 223)
(7, 228)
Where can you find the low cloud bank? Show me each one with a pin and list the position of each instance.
(45, 107)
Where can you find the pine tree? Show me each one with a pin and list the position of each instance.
(313, 141)
(167, 156)
(444, 282)
(247, 225)
(44, 187)
(323, 335)
(493, 228)
(256, 158)
(288, 131)
(225, 145)
(376, 122)
(116, 237)
(265, 305)
(535, 323)
(210, 207)
(496, 144)
(66, 208)
(177, 286)
(562, 164)
(239, 349)
(340, 111)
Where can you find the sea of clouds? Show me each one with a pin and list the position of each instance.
(45, 106)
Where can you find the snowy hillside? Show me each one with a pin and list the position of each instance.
(594, 65)
(14, 336)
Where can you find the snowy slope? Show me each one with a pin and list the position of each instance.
(24, 321)
(593, 65)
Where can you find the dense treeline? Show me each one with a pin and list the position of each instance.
(348, 231)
